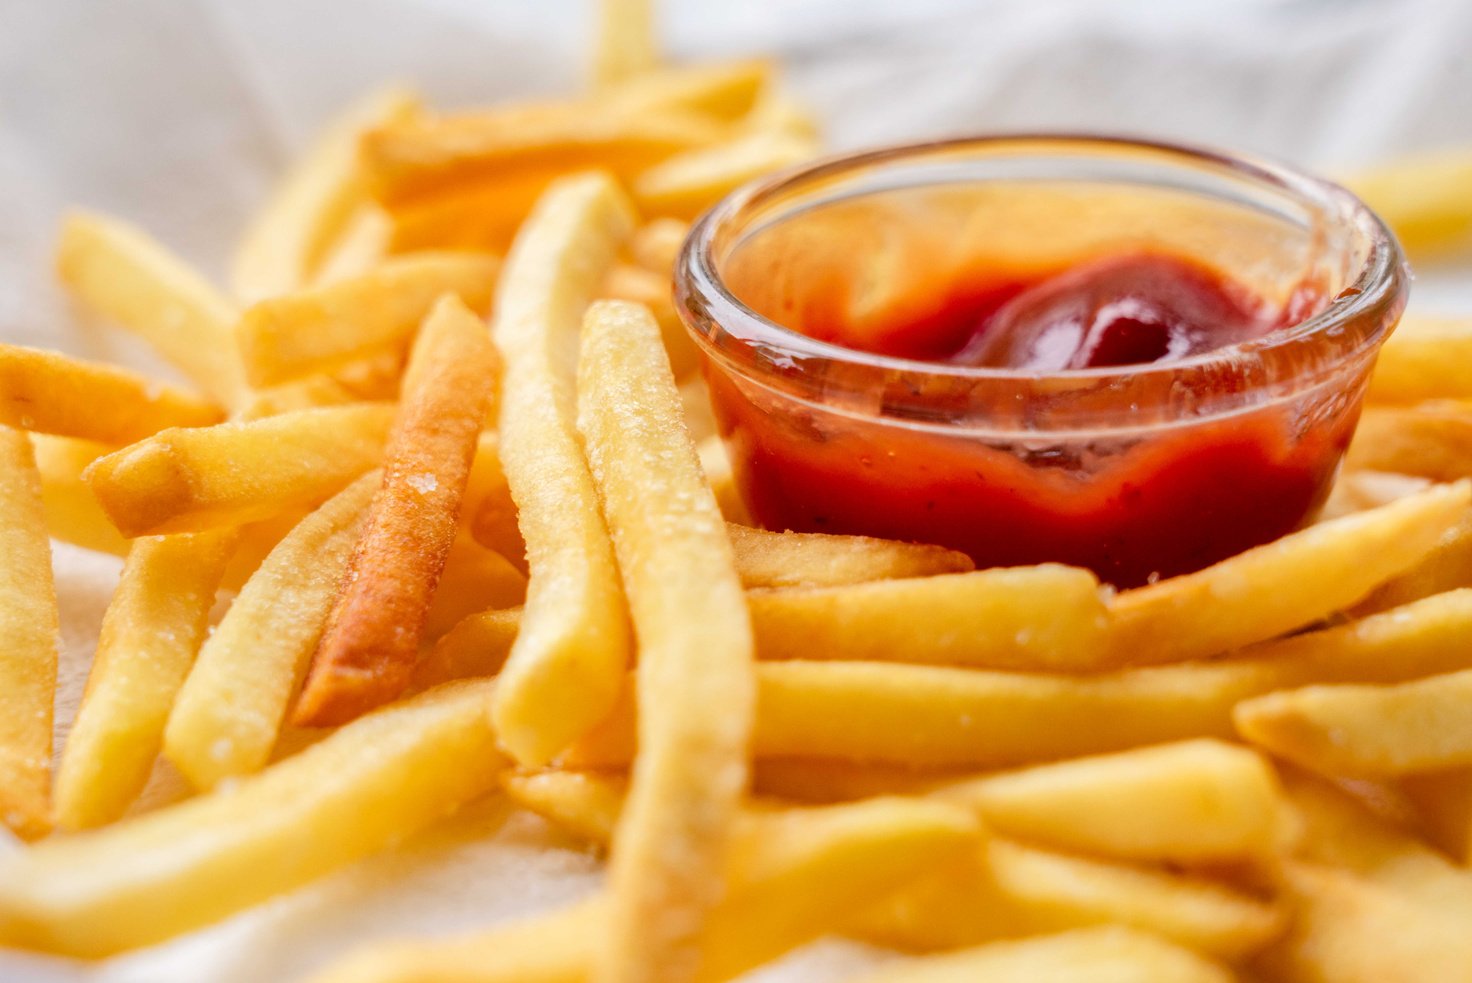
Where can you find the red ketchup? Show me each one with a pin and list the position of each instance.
(1166, 502)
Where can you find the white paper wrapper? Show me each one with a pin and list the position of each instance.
(178, 113)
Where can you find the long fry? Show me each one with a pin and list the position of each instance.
(230, 709)
(292, 232)
(566, 667)
(29, 626)
(368, 650)
(233, 473)
(122, 274)
(675, 557)
(150, 634)
(51, 393)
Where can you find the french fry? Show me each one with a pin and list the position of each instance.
(1096, 955)
(634, 283)
(726, 91)
(674, 556)
(1445, 568)
(794, 876)
(29, 625)
(371, 642)
(1424, 199)
(1433, 440)
(1442, 801)
(166, 872)
(488, 512)
(363, 243)
(775, 112)
(1048, 617)
(1366, 731)
(307, 393)
(698, 415)
(656, 244)
(72, 513)
(1188, 802)
(1425, 359)
(319, 329)
(1284, 585)
(585, 804)
(313, 203)
(1356, 491)
(150, 635)
(626, 46)
(792, 559)
(717, 467)
(819, 781)
(477, 646)
(51, 393)
(566, 666)
(255, 543)
(687, 184)
(189, 480)
(229, 711)
(120, 273)
(483, 215)
(475, 579)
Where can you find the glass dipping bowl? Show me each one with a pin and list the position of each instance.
(1136, 472)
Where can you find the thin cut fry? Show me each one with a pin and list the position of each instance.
(362, 244)
(474, 580)
(353, 793)
(150, 634)
(229, 711)
(1432, 441)
(1445, 568)
(1426, 358)
(368, 650)
(793, 559)
(51, 393)
(566, 667)
(125, 276)
(314, 201)
(324, 328)
(687, 184)
(233, 473)
(626, 47)
(634, 283)
(29, 627)
(1424, 199)
(1284, 585)
(675, 558)
(72, 513)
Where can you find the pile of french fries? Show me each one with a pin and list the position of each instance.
(465, 561)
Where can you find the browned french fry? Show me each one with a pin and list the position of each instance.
(150, 634)
(1433, 440)
(51, 393)
(29, 626)
(368, 650)
(72, 513)
(1443, 804)
(188, 480)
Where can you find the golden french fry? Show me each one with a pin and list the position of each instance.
(363, 243)
(720, 90)
(488, 512)
(120, 273)
(371, 642)
(477, 646)
(687, 184)
(674, 557)
(792, 559)
(1186, 802)
(1424, 198)
(717, 467)
(585, 804)
(324, 328)
(1356, 491)
(1110, 954)
(774, 112)
(1445, 568)
(256, 541)
(189, 480)
(52, 393)
(626, 47)
(1433, 440)
(653, 290)
(313, 202)
(794, 876)
(820, 781)
(698, 415)
(229, 711)
(72, 513)
(474, 580)
(482, 216)
(29, 626)
(1271, 590)
(1048, 617)
(157, 875)
(656, 244)
(566, 666)
(150, 634)
(1442, 801)
(1426, 358)
(308, 393)
(1366, 731)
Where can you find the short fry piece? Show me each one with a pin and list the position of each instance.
(1044, 617)
(1432, 441)
(51, 393)
(687, 184)
(1425, 359)
(1366, 731)
(1284, 585)
(797, 559)
(625, 47)
(72, 513)
(150, 634)
(314, 201)
(120, 273)
(1094, 955)
(353, 793)
(567, 665)
(323, 328)
(29, 627)
(229, 712)
(368, 650)
(675, 558)
(233, 473)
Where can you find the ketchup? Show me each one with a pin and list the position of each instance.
(1131, 508)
